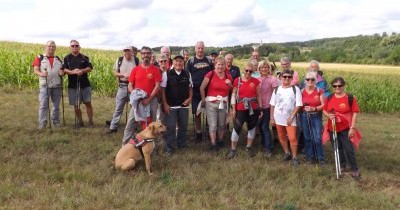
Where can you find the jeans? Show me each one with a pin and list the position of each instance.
(347, 154)
(180, 116)
(312, 132)
(266, 139)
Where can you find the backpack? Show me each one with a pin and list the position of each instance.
(41, 57)
(293, 87)
(212, 75)
(349, 97)
(121, 58)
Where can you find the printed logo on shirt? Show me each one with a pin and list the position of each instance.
(316, 98)
(201, 65)
(342, 106)
(252, 85)
(150, 76)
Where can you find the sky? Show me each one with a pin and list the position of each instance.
(113, 24)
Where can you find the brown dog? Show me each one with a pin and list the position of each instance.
(129, 154)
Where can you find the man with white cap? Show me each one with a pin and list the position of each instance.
(122, 69)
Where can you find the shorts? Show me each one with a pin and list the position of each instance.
(85, 95)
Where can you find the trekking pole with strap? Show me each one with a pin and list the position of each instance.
(311, 132)
(48, 99)
(77, 101)
(336, 148)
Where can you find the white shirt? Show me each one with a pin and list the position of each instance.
(285, 102)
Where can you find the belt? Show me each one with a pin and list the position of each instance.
(121, 85)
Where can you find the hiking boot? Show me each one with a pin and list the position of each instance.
(321, 163)
(231, 154)
(220, 143)
(90, 124)
(199, 137)
(57, 125)
(267, 154)
(295, 162)
(287, 156)
(108, 122)
(356, 175)
(80, 124)
(250, 151)
(111, 131)
(213, 148)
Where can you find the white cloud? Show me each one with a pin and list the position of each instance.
(112, 24)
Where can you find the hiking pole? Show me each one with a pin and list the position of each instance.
(77, 102)
(311, 132)
(126, 105)
(335, 148)
(48, 98)
(62, 99)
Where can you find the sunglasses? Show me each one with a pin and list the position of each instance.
(337, 86)
(75, 45)
(248, 70)
(310, 79)
(163, 61)
(287, 77)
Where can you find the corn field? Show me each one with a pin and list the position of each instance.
(376, 87)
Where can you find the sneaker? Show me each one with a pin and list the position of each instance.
(111, 131)
(295, 162)
(231, 154)
(356, 175)
(322, 163)
(108, 122)
(287, 157)
(250, 151)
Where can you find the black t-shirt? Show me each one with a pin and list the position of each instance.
(198, 68)
(235, 72)
(79, 61)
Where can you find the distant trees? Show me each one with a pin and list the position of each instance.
(361, 49)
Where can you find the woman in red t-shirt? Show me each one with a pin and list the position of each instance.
(246, 103)
(311, 119)
(338, 108)
(218, 84)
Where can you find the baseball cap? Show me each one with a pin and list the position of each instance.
(214, 53)
(127, 48)
(179, 57)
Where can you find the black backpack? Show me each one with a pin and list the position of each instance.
(121, 58)
(349, 97)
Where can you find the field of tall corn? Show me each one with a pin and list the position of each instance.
(376, 87)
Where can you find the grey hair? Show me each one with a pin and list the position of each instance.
(165, 47)
(286, 59)
(183, 51)
(314, 62)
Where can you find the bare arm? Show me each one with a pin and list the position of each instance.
(203, 89)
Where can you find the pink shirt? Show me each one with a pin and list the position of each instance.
(267, 86)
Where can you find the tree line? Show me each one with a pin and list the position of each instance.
(362, 49)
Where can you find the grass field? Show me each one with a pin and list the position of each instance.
(64, 169)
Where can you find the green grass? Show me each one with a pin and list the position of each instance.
(64, 169)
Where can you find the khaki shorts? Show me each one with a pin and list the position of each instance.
(85, 95)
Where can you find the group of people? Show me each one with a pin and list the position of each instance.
(257, 95)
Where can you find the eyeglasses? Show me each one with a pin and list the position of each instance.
(75, 45)
(248, 70)
(337, 86)
(287, 77)
(163, 61)
(310, 79)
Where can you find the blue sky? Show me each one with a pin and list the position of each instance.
(113, 24)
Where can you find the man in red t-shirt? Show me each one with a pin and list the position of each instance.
(146, 77)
